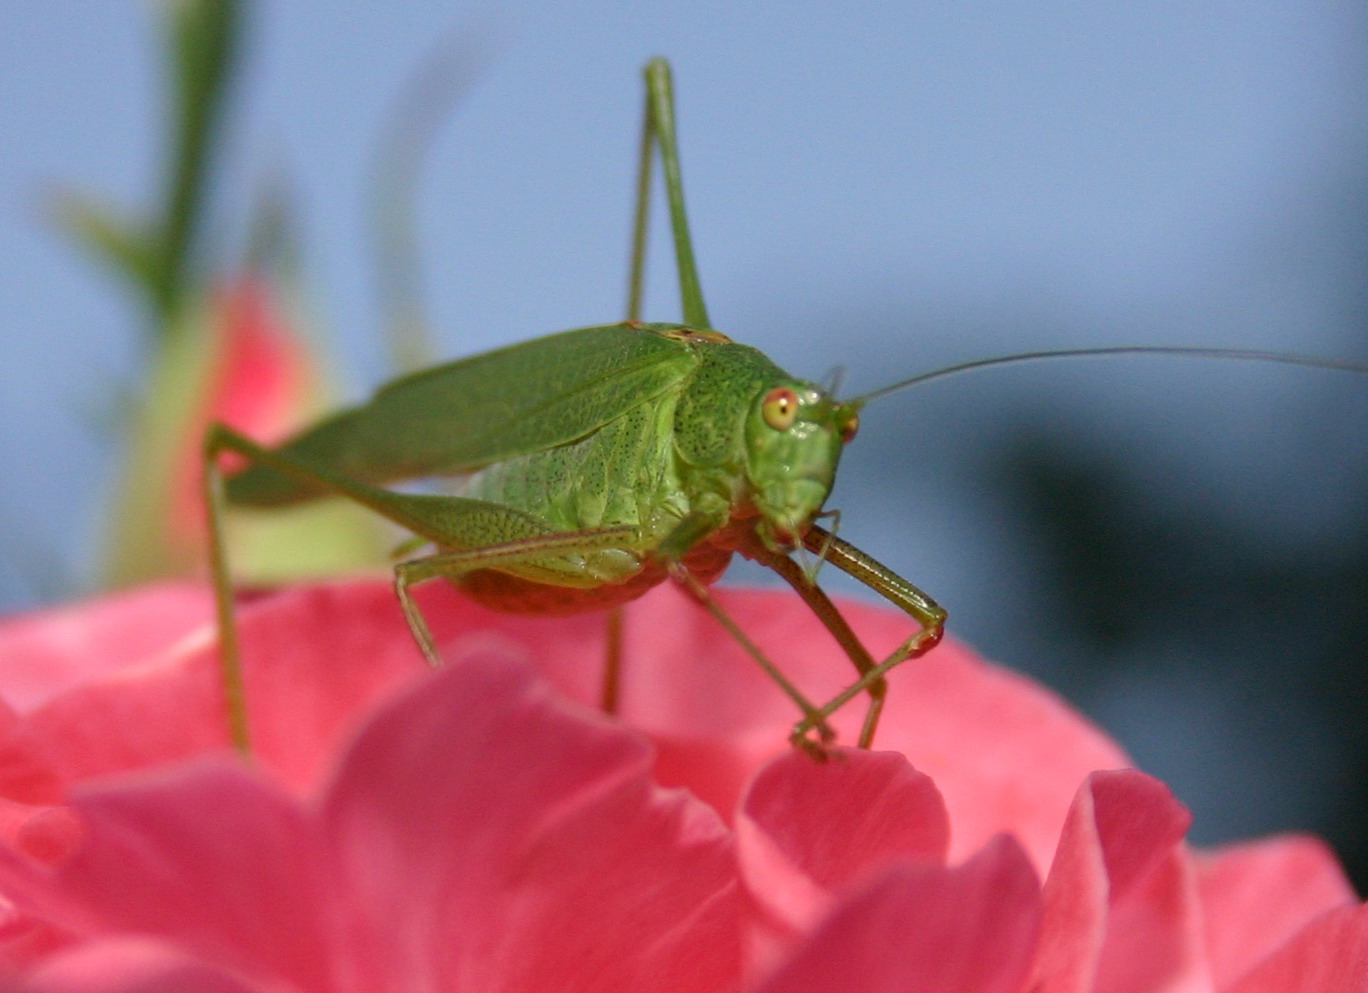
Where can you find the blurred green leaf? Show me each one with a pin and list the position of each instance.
(115, 240)
(204, 35)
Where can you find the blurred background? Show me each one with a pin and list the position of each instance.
(1179, 547)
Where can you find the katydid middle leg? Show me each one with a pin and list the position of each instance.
(452, 565)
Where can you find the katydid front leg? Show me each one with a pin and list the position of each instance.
(902, 594)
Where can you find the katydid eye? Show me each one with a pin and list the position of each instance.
(849, 428)
(780, 408)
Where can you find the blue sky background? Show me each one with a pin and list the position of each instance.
(887, 187)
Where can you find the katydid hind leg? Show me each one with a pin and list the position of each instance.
(436, 519)
(407, 574)
(659, 132)
(218, 440)
(225, 608)
(221, 439)
(641, 217)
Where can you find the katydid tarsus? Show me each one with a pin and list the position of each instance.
(596, 463)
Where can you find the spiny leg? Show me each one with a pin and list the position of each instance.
(893, 588)
(612, 661)
(439, 520)
(454, 564)
(451, 565)
(821, 606)
(913, 648)
(407, 574)
(658, 93)
(658, 131)
(225, 610)
(219, 439)
(813, 719)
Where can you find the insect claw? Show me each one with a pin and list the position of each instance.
(813, 749)
(802, 737)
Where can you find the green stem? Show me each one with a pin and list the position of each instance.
(204, 34)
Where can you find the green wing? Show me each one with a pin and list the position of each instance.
(459, 417)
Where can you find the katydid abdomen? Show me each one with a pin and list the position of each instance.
(512, 594)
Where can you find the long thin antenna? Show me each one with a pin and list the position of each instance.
(1021, 358)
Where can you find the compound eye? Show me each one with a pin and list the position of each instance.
(780, 408)
(849, 428)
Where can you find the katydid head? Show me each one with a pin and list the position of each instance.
(795, 430)
(794, 437)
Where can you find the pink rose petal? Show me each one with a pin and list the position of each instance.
(45, 833)
(480, 833)
(533, 834)
(154, 849)
(969, 929)
(1120, 908)
(1005, 753)
(807, 829)
(715, 716)
(1329, 955)
(25, 776)
(316, 658)
(1256, 895)
(45, 653)
(128, 965)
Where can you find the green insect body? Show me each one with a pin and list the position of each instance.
(628, 454)
(697, 446)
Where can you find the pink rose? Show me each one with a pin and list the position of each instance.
(248, 367)
(484, 828)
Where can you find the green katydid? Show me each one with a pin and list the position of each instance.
(597, 463)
